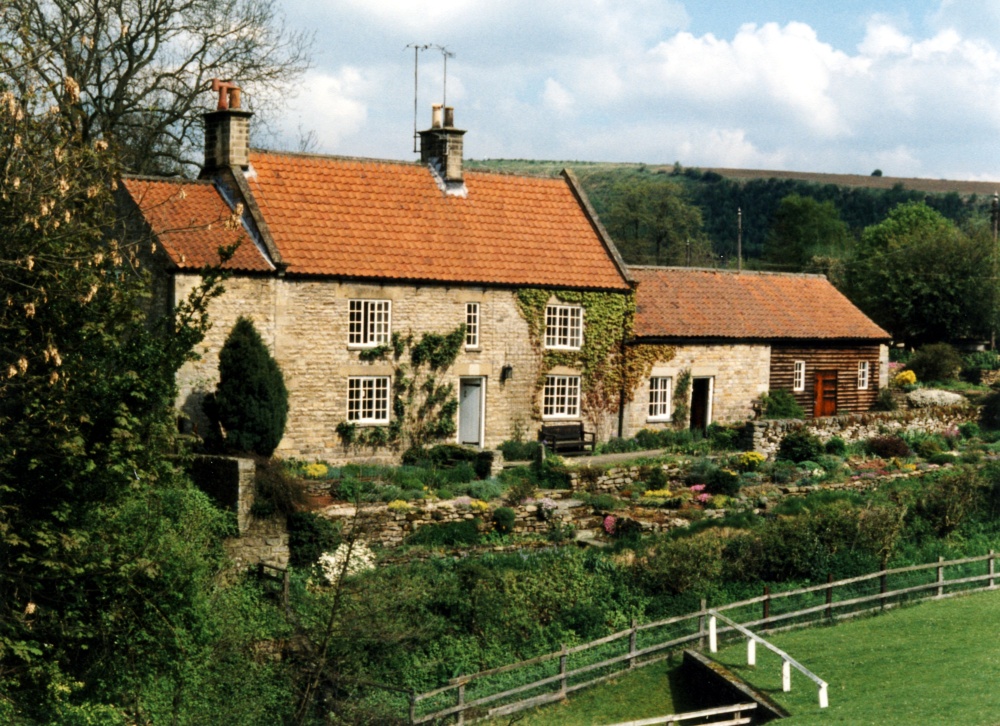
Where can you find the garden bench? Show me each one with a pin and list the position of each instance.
(566, 438)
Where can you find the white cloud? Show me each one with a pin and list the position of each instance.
(556, 97)
(602, 80)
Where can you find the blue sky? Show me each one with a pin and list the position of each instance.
(912, 88)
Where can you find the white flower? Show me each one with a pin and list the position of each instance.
(361, 560)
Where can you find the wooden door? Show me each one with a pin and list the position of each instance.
(825, 394)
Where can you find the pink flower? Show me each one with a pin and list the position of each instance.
(704, 497)
(698, 488)
(609, 524)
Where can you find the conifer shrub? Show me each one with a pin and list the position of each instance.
(989, 414)
(503, 520)
(781, 404)
(800, 445)
(251, 400)
(309, 536)
(836, 446)
(887, 447)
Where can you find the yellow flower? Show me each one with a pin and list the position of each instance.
(398, 505)
(905, 378)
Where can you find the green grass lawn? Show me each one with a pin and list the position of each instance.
(933, 663)
(643, 693)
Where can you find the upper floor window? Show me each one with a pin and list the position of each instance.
(561, 397)
(472, 325)
(659, 399)
(799, 376)
(564, 326)
(862, 375)
(368, 399)
(369, 322)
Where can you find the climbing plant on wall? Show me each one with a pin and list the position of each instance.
(423, 407)
(608, 368)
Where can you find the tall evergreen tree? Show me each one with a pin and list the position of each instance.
(251, 399)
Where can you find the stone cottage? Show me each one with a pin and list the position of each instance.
(728, 337)
(403, 301)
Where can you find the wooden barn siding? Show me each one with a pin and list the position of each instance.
(844, 360)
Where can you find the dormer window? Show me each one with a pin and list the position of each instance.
(564, 327)
(369, 323)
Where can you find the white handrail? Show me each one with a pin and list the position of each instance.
(786, 660)
(678, 717)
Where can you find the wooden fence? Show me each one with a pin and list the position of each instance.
(551, 677)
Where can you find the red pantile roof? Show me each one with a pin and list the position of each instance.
(191, 221)
(689, 303)
(380, 219)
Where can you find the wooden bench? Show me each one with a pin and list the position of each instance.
(566, 438)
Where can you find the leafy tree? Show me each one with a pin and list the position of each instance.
(251, 400)
(923, 279)
(656, 224)
(140, 68)
(109, 611)
(803, 229)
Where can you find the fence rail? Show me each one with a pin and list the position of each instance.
(736, 711)
(552, 676)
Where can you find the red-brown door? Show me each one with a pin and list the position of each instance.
(825, 394)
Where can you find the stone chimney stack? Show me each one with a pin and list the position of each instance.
(441, 144)
(227, 130)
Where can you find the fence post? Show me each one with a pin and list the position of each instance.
(883, 582)
(940, 577)
(767, 605)
(829, 595)
(631, 643)
(992, 569)
(701, 624)
(285, 584)
(562, 670)
(751, 652)
(786, 676)
(461, 702)
(713, 638)
(413, 707)
(824, 699)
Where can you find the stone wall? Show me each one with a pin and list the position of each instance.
(739, 373)
(765, 436)
(229, 481)
(305, 324)
(379, 524)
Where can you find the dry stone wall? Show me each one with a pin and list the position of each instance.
(765, 436)
(381, 525)
(229, 481)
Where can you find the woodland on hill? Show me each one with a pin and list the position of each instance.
(614, 189)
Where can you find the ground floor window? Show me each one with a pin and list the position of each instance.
(799, 376)
(659, 399)
(561, 397)
(368, 399)
(863, 375)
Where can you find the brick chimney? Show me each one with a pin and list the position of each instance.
(441, 144)
(227, 130)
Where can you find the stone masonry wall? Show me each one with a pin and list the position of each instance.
(381, 525)
(229, 481)
(766, 435)
(305, 324)
(740, 374)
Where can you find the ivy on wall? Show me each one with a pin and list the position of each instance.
(681, 404)
(607, 368)
(423, 407)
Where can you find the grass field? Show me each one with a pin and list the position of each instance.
(934, 663)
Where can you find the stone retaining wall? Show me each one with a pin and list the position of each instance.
(765, 436)
(229, 481)
(379, 524)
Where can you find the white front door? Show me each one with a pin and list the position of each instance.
(470, 411)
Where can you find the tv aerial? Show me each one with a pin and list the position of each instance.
(445, 55)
